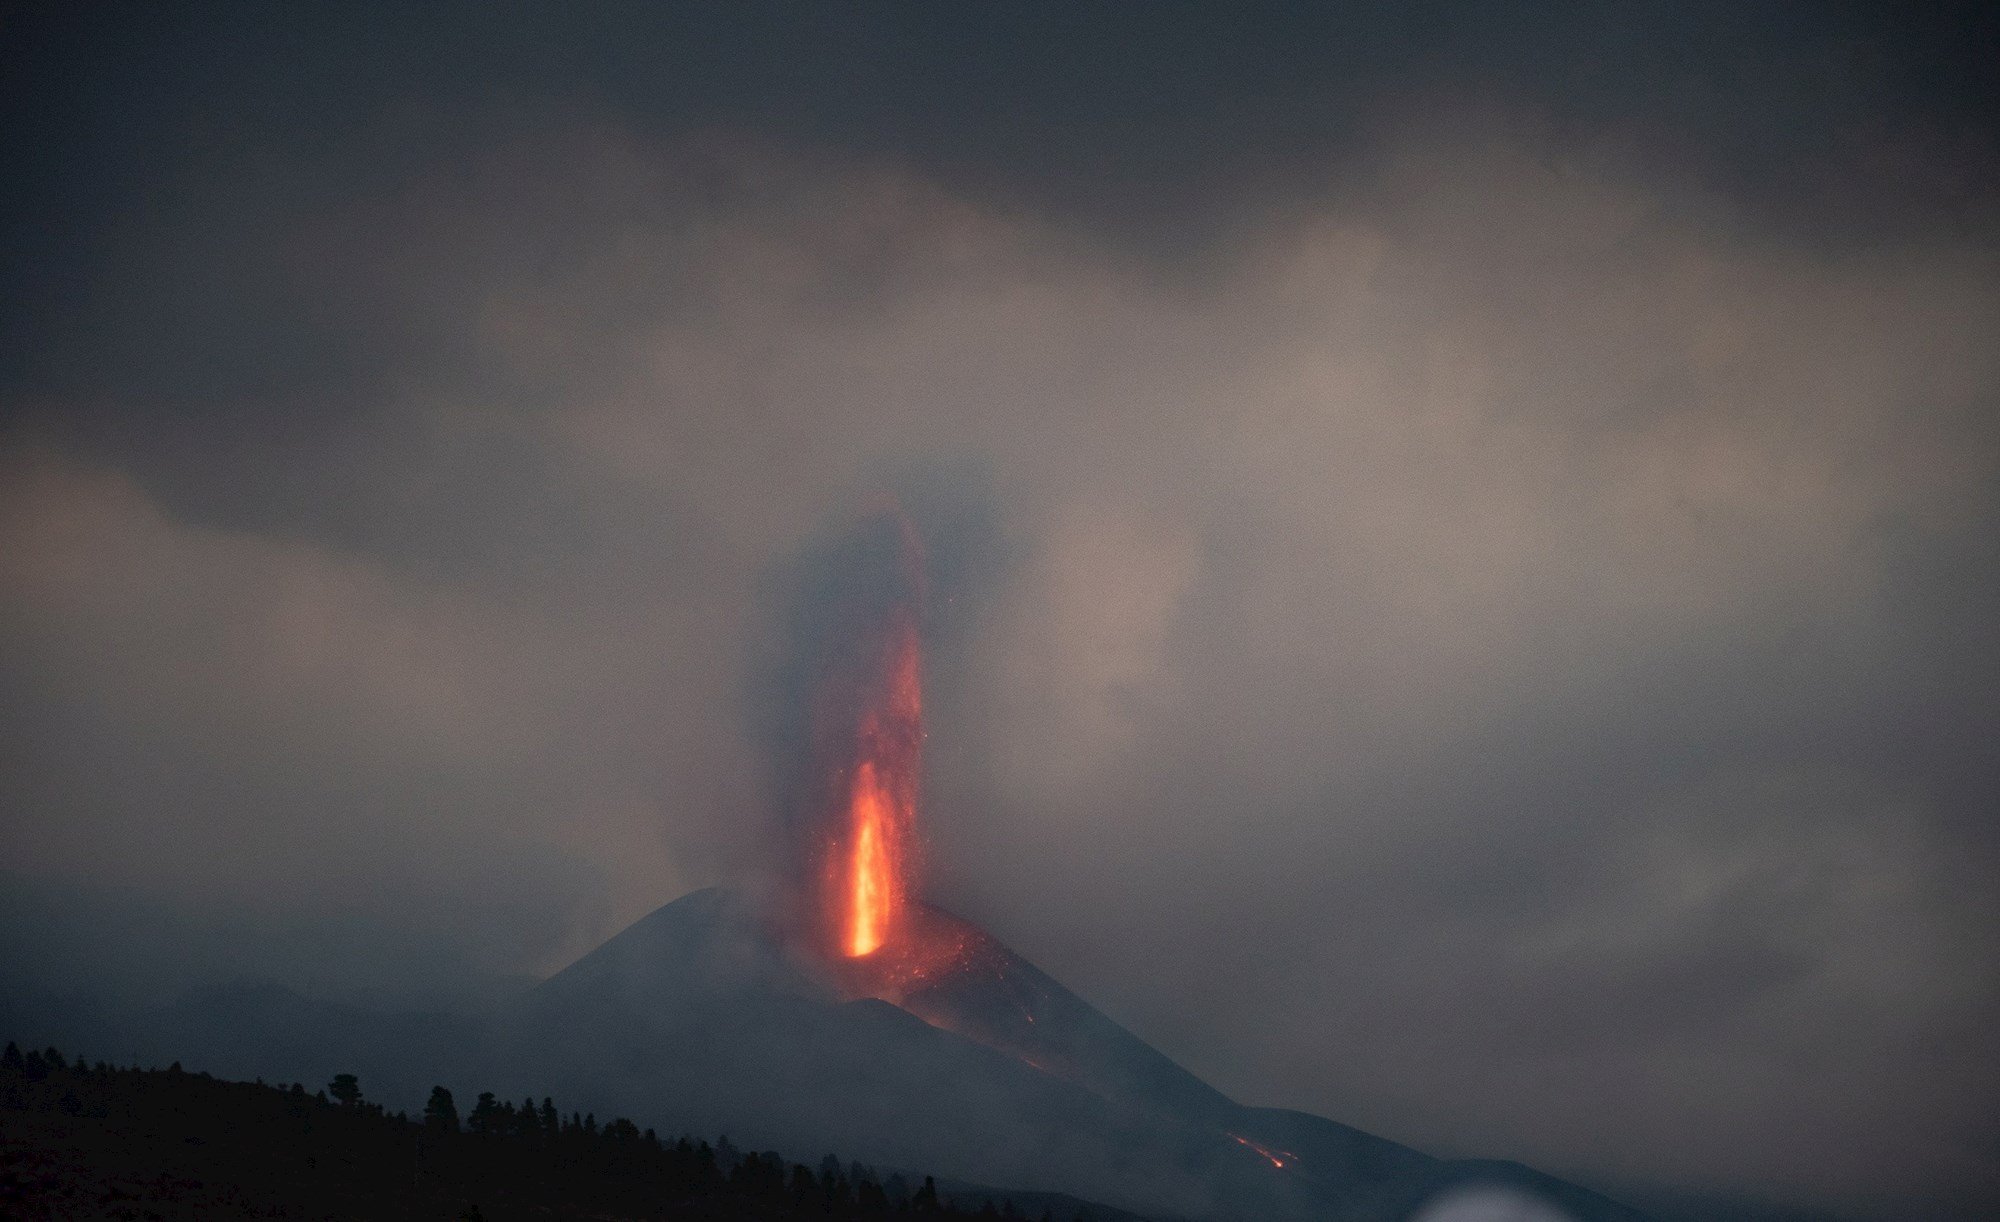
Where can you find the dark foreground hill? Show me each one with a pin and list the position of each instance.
(82, 1141)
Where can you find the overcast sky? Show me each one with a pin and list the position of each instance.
(1464, 546)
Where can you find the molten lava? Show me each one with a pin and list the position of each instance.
(868, 754)
(871, 873)
(1269, 1155)
(879, 839)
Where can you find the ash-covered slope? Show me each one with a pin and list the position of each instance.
(945, 1051)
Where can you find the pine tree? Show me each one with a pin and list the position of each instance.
(484, 1113)
(804, 1187)
(441, 1113)
(345, 1088)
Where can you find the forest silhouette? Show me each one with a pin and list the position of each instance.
(95, 1140)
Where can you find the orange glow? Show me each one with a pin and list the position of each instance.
(1277, 1158)
(875, 865)
(859, 858)
(869, 873)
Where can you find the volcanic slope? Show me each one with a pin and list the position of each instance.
(944, 1050)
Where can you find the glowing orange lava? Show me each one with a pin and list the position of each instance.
(874, 863)
(870, 873)
(1269, 1155)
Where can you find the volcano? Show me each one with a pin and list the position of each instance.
(837, 1009)
(945, 1052)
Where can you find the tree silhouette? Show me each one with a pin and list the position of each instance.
(345, 1089)
(441, 1113)
(177, 1144)
(484, 1114)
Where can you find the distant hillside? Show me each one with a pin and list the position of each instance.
(81, 1140)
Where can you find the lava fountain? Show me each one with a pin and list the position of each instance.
(867, 750)
(853, 913)
(871, 873)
